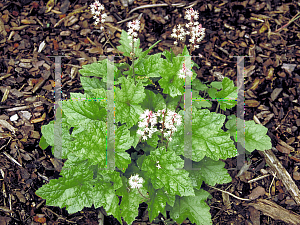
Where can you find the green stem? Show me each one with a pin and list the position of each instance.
(178, 103)
(217, 107)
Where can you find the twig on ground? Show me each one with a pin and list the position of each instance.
(242, 199)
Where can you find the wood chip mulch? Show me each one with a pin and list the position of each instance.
(263, 29)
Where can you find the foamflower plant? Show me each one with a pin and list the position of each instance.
(149, 132)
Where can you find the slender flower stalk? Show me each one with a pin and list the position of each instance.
(134, 27)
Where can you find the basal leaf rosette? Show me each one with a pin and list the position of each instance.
(208, 139)
(127, 101)
(160, 166)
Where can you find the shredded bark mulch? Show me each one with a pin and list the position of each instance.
(266, 32)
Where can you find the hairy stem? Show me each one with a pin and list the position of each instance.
(142, 194)
(178, 103)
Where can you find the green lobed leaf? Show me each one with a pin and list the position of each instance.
(208, 137)
(210, 171)
(255, 134)
(149, 67)
(65, 138)
(228, 92)
(82, 108)
(127, 101)
(89, 84)
(174, 181)
(255, 137)
(153, 102)
(193, 207)
(99, 69)
(134, 135)
(90, 142)
(79, 191)
(123, 142)
(231, 125)
(157, 203)
(170, 81)
(200, 102)
(198, 85)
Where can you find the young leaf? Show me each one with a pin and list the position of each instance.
(255, 137)
(43, 143)
(228, 92)
(200, 102)
(212, 92)
(197, 85)
(208, 137)
(170, 81)
(125, 46)
(127, 101)
(193, 207)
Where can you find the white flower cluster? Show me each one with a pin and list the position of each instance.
(133, 26)
(96, 9)
(182, 72)
(196, 31)
(136, 181)
(148, 117)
